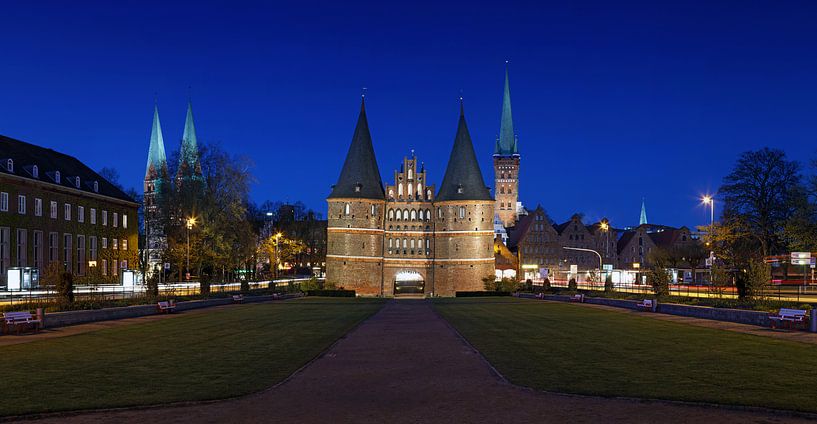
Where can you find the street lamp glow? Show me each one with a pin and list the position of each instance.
(191, 222)
(707, 199)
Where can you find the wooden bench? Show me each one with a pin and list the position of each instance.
(166, 306)
(788, 318)
(540, 295)
(276, 296)
(578, 298)
(647, 305)
(238, 298)
(19, 320)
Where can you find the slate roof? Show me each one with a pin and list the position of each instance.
(519, 230)
(360, 176)
(463, 178)
(26, 155)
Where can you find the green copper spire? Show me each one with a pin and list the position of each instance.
(506, 145)
(157, 161)
(189, 153)
(643, 219)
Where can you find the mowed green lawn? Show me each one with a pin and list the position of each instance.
(195, 356)
(580, 349)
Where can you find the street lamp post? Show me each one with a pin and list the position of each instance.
(587, 250)
(709, 200)
(190, 223)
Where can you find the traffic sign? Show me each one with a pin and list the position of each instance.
(800, 255)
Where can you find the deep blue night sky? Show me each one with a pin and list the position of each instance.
(612, 101)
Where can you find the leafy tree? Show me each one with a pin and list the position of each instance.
(761, 194)
(659, 279)
(608, 284)
(279, 249)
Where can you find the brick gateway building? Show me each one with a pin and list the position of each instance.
(407, 239)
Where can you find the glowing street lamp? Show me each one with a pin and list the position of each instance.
(709, 200)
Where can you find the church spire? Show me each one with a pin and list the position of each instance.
(506, 144)
(360, 176)
(643, 219)
(463, 178)
(189, 152)
(157, 161)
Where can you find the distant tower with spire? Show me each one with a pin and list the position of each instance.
(643, 219)
(156, 185)
(506, 163)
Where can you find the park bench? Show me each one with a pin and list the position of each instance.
(238, 298)
(19, 320)
(788, 318)
(579, 298)
(647, 305)
(166, 306)
(276, 296)
(540, 295)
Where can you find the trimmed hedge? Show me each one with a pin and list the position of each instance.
(481, 293)
(331, 293)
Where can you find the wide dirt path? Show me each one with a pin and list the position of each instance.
(407, 365)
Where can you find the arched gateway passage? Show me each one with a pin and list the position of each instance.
(408, 282)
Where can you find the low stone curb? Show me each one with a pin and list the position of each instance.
(62, 319)
(739, 316)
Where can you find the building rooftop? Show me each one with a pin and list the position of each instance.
(37, 163)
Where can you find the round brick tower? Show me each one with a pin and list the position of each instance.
(355, 216)
(464, 215)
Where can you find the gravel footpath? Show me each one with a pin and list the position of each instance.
(407, 365)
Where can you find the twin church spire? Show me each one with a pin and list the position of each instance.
(189, 164)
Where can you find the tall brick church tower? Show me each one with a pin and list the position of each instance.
(157, 183)
(506, 164)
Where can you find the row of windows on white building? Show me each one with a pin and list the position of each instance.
(410, 193)
(43, 253)
(67, 210)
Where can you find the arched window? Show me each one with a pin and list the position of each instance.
(400, 190)
(462, 212)
(410, 174)
(96, 186)
(510, 191)
(428, 244)
(35, 171)
(419, 190)
(412, 243)
(399, 214)
(347, 209)
(391, 193)
(428, 194)
(439, 212)
(428, 214)
(391, 214)
(406, 214)
(10, 165)
(390, 243)
(405, 243)
(413, 215)
(502, 190)
(374, 210)
(57, 177)
(76, 181)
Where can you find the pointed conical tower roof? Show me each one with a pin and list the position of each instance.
(189, 152)
(157, 161)
(643, 219)
(506, 144)
(360, 176)
(463, 178)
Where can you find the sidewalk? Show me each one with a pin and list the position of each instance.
(407, 365)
